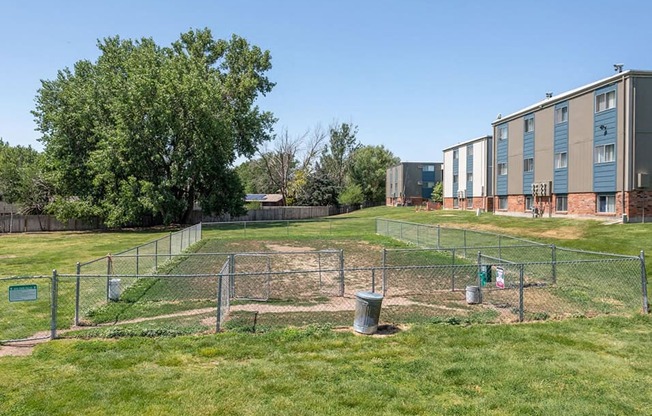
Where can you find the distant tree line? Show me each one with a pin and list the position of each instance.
(148, 131)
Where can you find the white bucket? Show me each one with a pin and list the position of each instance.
(114, 289)
(473, 295)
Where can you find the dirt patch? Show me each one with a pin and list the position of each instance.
(559, 233)
(23, 348)
(287, 249)
(8, 256)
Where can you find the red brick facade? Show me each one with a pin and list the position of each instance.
(478, 202)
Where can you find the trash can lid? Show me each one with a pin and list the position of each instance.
(369, 295)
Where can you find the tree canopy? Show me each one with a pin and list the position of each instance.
(368, 168)
(149, 130)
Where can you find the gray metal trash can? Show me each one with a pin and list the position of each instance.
(473, 295)
(367, 312)
(114, 289)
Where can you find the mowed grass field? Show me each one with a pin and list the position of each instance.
(575, 366)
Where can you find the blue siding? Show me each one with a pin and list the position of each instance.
(501, 157)
(560, 179)
(469, 169)
(528, 152)
(428, 176)
(604, 174)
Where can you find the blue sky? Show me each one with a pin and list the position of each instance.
(415, 76)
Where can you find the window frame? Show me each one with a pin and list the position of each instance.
(499, 170)
(597, 154)
(456, 202)
(469, 202)
(469, 150)
(500, 133)
(561, 116)
(529, 165)
(559, 158)
(529, 200)
(528, 125)
(502, 203)
(456, 154)
(469, 176)
(606, 96)
(456, 178)
(558, 199)
(607, 199)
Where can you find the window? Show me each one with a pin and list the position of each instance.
(429, 168)
(456, 203)
(455, 154)
(561, 160)
(455, 178)
(605, 153)
(428, 184)
(561, 115)
(529, 124)
(469, 150)
(606, 203)
(502, 168)
(528, 203)
(562, 203)
(502, 133)
(469, 202)
(502, 202)
(469, 176)
(605, 101)
(528, 165)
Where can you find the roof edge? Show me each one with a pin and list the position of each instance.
(571, 94)
(467, 142)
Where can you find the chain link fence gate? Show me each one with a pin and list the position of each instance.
(28, 308)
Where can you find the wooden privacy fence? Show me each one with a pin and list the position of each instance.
(282, 213)
(36, 223)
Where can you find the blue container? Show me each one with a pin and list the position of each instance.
(367, 312)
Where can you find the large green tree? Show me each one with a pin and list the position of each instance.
(22, 179)
(367, 169)
(336, 154)
(149, 130)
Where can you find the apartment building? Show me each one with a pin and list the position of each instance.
(468, 175)
(586, 152)
(411, 183)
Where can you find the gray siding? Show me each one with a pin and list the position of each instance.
(580, 144)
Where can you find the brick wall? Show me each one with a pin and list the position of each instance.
(637, 204)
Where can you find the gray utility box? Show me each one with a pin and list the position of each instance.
(367, 312)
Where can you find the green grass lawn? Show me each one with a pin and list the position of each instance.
(573, 367)
(445, 365)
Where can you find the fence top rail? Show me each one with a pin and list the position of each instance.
(144, 244)
(316, 219)
(248, 253)
(497, 259)
(93, 261)
(575, 250)
(462, 229)
(9, 278)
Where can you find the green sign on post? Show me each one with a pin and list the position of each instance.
(23, 293)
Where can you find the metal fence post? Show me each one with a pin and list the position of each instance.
(109, 268)
(77, 285)
(373, 280)
(500, 251)
(137, 261)
(646, 305)
(341, 272)
(479, 268)
(219, 302)
(520, 294)
(418, 227)
(53, 305)
(170, 251)
(319, 267)
(156, 256)
(232, 275)
(453, 272)
(438, 236)
(387, 228)
(554, 263)
(384, 269)
(401, 232)
(245, 228)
